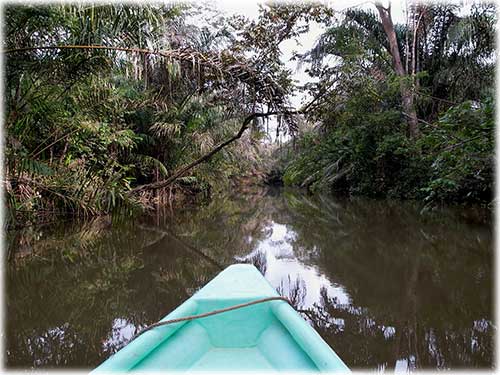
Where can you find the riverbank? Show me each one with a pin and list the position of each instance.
(34, 208)
(452, 161)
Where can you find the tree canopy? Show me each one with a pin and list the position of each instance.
(122, 106)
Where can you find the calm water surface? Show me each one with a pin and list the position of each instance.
(387, 286)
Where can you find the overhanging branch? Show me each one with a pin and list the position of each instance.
(223, 66)
(182, 171)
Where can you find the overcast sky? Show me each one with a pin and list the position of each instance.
(250, 9)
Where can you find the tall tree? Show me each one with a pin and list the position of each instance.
(406, 90)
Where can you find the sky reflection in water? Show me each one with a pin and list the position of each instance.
(387, 286)
(281, 263)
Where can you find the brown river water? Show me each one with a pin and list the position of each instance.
(388, 285)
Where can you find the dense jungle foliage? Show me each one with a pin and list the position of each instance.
(121, 107)
(360, 143)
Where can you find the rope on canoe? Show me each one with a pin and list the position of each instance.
(210, 313)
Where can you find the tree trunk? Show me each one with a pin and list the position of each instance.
(406, 91)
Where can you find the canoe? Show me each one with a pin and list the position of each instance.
(269, 336)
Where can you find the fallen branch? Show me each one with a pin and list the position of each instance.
(182, 171)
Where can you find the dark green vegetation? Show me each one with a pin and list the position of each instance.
(92, 130)
(382, 283)
(368, 141)
(156, 103)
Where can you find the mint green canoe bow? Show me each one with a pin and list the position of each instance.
(269, 336)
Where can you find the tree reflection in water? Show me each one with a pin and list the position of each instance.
(386, 285)
(295, 291)
(258, 259)
(362, 341)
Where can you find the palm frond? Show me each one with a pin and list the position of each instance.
(166, 129)
(203, 141)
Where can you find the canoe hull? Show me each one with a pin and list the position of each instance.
(269, 337)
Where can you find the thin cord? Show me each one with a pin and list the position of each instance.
(214, 312)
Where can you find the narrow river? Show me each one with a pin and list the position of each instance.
(388, 286)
